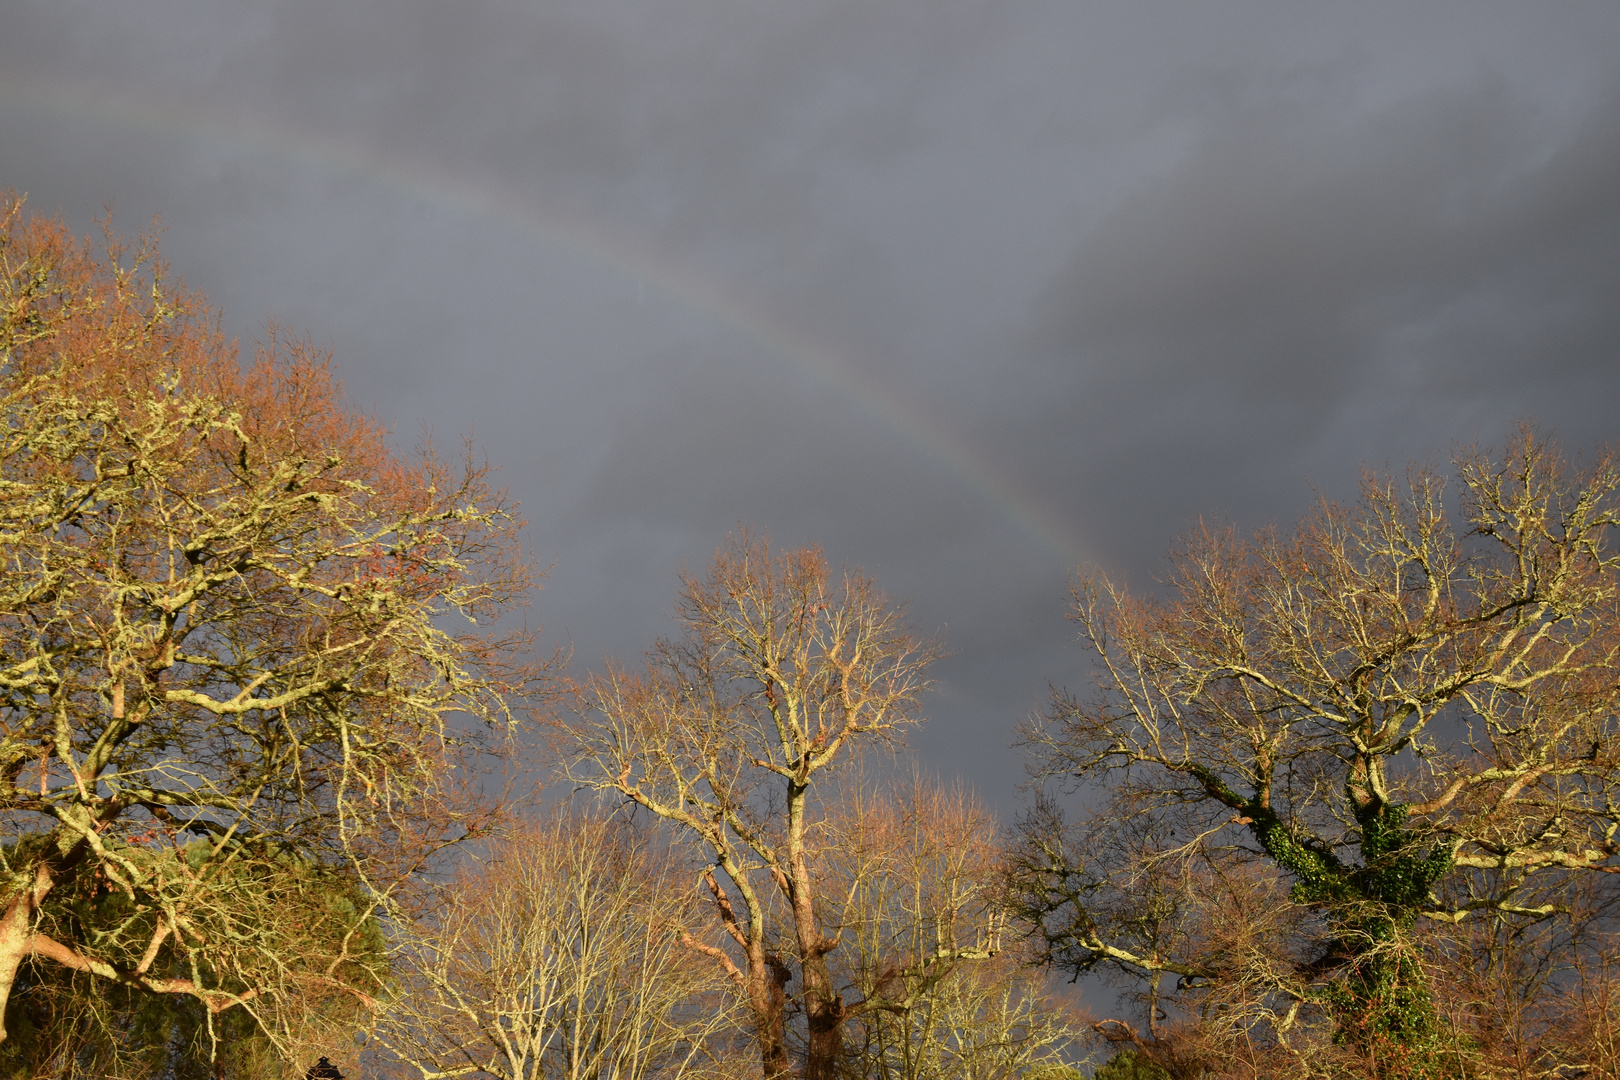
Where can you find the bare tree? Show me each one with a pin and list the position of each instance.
(912, 882)
(1400, 717)
(781, 672)
(1533, 997)
(560, 956)
(235, 628)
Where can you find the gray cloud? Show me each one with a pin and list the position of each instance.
(1300, 291)
(1118, 265)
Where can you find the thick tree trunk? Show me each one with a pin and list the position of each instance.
(826, 1018)
(823, 1005)
(16, 934)
(770, 1011)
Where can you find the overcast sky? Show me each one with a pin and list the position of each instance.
(968, 293)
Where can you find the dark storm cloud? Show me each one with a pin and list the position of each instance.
(1451, 260)
(1283, 252)
(1119, 265)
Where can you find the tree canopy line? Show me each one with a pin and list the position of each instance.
(1340, 801)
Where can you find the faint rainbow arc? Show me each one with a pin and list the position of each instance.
(612, 250)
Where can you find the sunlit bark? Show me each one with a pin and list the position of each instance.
(233, 636)
(781, 672)
(1406, 708)
(558, 955)
(912, 880)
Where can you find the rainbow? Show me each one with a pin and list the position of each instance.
(599, 243)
